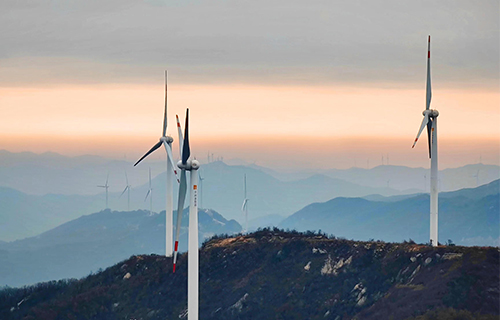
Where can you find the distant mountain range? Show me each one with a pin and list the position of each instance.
(467, 217)
(272, 274)
(26, 215)
(95, 241)
(49, 172)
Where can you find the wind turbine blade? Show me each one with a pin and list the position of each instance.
(156, 146)
(245, 181)
(147, 194)
(429, 135)
(180, 208)
(165, 114)
(186, 151)
(124, 191)
(244, 204)
(107, 178)
(149, 178)
(179, 131)
(424, 123)
(126, 177)
(170, 158)
(428, 91)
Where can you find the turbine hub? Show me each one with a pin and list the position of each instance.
(187, 166)
(434, 113)
(429, 112)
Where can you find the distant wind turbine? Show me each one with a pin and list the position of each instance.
(185, 164)
(201, 188)
(244, 206)
(106, 186)
(127, 188)
(150, 194)
(477, 178)
(430, 121)
(166, 141)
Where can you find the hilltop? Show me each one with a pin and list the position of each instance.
(272, 274)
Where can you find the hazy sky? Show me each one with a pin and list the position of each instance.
(279, 83)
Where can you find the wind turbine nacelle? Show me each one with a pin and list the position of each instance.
(429, 112)
(195, 164)
(167, 139)
(434, 113)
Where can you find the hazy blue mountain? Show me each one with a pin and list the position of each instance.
(222, 189)
(491, 188)
(23, 215)
(49, 172)
(468, 217)
(53, 173)
(95, 241)
(405, 178)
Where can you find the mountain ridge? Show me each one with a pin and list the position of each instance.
(272, 274)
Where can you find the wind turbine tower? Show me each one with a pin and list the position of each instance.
(106, 186)
(244, 206)
(166, 141)
(185, 164)
(150, 194)
(430, 121)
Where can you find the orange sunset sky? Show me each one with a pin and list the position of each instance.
(285, 85)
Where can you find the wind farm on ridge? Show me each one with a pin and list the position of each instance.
(249, 212)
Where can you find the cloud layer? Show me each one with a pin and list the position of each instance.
(263, 42)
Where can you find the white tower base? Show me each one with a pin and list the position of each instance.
(169, 225)
(434, 186)
(193, 254)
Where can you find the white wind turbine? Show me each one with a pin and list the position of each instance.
(166, 141)
(150, 195)
(430, 121)
(477, 178)
(127, 188)
(106, 186)
(244, 206)
(185, 164)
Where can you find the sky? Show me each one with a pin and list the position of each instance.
(284, 84)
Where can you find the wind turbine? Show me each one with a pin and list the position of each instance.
(477, 178)
(430, 121)
(185, 164)
(166, 141)
(106, 186)
(244, 206)
(127, 188)
(150, 194)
